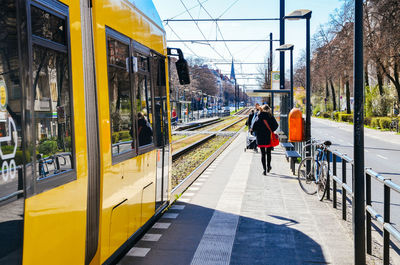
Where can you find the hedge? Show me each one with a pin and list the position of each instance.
(326, 115)
(346, 117)
(375, 122)
(367, 121)
(48, 147)
(124, 135)
(384, 123)
(115, 137)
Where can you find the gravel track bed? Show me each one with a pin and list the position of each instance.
(187, 141)
(184, 165)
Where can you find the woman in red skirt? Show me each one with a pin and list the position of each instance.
(264, 120)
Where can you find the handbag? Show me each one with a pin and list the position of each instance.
(274, 136)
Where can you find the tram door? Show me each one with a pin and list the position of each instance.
(161, 129)
(11, 160)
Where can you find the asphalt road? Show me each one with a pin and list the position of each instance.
(382, 149)
(382, 154)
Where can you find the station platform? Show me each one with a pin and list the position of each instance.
(232, 214)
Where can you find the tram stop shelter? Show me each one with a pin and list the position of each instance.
(279, 101)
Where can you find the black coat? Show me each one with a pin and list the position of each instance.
(145, 132)
(263, 134)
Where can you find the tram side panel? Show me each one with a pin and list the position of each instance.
(123, 40)
(55, 208)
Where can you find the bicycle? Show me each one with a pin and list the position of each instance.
(315, 181)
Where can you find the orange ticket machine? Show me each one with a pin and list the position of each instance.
(296, 125)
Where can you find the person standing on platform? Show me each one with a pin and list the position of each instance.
(264, 126)
(250, 118)
(253, 117)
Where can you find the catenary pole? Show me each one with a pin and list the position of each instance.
(281, 42)
(358, 179)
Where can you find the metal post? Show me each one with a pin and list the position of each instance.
(291, 79)
(358, 173)
(308, 92)
(270, 59)
(308, 81)
(236, 97)
(386, 219)
(344, 197)
(281, 42)
(368, 221)
(328, 176)
(334, 189)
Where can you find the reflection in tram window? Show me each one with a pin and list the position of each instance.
(11, 156)
(144, 105)
(160, 100)
(120, 97)
(52, 94)
(48, 26)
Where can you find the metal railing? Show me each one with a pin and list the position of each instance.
(347, 192)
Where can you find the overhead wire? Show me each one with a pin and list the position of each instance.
(198, 27)
(217, 28)
(193, 7)
(226, 10)
(187, 46)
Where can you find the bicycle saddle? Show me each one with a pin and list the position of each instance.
(328, 143)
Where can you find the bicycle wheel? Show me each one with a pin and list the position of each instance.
(307, 181)
(322, 183)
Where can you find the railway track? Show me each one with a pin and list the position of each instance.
(190, 161)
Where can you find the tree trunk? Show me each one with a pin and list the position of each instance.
(348, 107)
(333, 95)
(395, 79)
(366, 74)
(326, 94)
(379, 77)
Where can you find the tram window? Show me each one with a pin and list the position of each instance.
(11, 156)
(52, 94)
(48, 26)
(160, 115)
(120, 93)
(144, 110)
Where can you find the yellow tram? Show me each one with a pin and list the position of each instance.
(84, 128)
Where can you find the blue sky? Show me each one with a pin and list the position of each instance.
(247, 51)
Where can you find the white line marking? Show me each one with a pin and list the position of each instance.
(161, 225)
(189, 194)
(177, 207)
(193, 188)
(184, 199)
(198, 184)
(170, 215)
(151, 237)
(366, 150)
(349, 143)
(138, 252)
(383, 157)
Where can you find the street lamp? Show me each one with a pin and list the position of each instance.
(296, 15)
(283, 48)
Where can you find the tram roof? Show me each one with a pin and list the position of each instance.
(148, 9)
